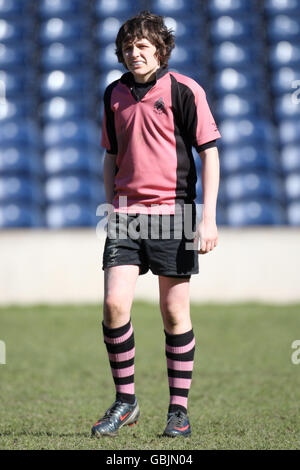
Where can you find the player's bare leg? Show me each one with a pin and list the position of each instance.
(175, 304)
(119, 286)
(180, 348)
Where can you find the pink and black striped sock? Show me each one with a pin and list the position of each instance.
(121, 350)
(180, 351)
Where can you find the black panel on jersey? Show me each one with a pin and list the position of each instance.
(110, 119)
(186, 170)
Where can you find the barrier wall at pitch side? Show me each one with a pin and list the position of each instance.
(42, 266)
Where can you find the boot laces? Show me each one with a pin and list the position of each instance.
(113, 410)
(179, 418)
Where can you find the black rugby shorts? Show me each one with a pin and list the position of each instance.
(161, 243)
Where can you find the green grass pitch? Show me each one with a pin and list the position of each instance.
(56, 381)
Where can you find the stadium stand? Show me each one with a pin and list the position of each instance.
(56, 59)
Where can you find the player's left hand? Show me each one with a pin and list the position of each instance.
(207, 232)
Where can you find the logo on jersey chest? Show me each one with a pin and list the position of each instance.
(159, 106)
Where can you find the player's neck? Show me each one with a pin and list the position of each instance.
(149, 77)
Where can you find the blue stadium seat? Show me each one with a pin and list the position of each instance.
(285, 107)
(12, 31)
(178, 8)
(229, 54)
(226, 28)
(63, 30)
(19, 133)
(274, 7)
(247, 158)
(233, 106)
(106, 78)
(289, 132)
(282, 79)
(186, 29)
(185, 54)
(17, 215)
(107, 58)
(293, 214)
(196, 73)
(283, 27)
(15, 110)
(247, 131)
(218, 8)
(66, 84)
(15, 9)
(72, 214)
(220, 211)
(107, 29)
(64, 160)
(198, 161)
(252, 185)
(290, 158)
(58, 56)
(71, 188)
(61, 109)
(255, 212)
(199, 188)
(62, 8)
(292, 187)
(221, 216)
(17, 84)
(20, 189)
(285, 53)
(100, 113)
(105, 8)
(71, 132)
(230, 80)
(14, 58)
(20, 160)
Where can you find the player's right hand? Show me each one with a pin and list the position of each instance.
(207, 232)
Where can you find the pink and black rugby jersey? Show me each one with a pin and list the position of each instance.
(153, 138)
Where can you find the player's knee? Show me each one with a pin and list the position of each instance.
(113, 311)
(171, 307)
(173, 320)
(174, 313)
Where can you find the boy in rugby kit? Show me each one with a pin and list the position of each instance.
(152, 119)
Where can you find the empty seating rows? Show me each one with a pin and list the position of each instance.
(50, 164)
(57, 56)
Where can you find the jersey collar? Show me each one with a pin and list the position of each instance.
(128, 78)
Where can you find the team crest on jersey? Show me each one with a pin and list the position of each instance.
(159, 106)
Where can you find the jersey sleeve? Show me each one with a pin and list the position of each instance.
(109, 139)
(199, 122)
(206, 146)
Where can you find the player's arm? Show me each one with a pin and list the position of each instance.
(202, 132)
(109, 171)
(110, 143)
(207, 228)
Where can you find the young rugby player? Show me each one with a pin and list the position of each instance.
(152, 119)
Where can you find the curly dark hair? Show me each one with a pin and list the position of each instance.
(149, 26)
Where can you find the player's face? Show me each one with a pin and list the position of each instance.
(140, 58)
